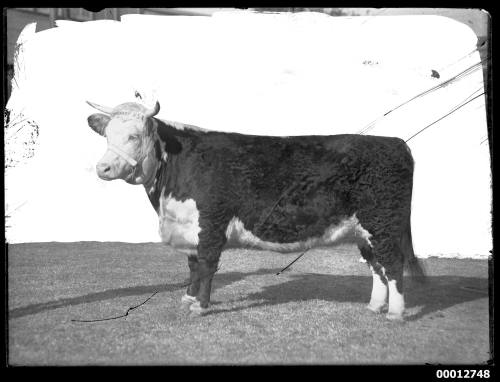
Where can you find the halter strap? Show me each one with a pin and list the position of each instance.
(123, 154)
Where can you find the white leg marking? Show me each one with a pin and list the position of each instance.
(197, 310)
(188, 300)
(396, 302)
(379, 293)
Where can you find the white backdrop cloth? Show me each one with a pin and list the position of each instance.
(272, 74)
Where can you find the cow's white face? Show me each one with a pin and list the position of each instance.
(130, 132)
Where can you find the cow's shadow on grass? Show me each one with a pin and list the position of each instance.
(110, 294)
(439, 292)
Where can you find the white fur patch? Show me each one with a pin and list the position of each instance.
(178, 222)
(379, 292)
(197, 310)
(361, 234)
(348, 230)
(396, 302)
(188, 300)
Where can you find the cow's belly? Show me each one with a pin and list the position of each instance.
(348, 230)
(179, 228)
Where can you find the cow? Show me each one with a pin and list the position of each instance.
(215, 190)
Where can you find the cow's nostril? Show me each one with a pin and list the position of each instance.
(103, 168)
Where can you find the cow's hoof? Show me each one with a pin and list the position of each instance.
(188, 300)
(376, 308)
(197, 310)
(396, 317)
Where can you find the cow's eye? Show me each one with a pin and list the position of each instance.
(133, 138)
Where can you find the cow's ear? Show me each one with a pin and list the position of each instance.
(98, 123)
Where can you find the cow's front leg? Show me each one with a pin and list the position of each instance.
(206, 271)
(212, 238)
(194, 281)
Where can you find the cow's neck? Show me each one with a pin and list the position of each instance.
(170, 144)
(150, 184)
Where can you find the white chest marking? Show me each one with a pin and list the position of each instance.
(178, 222)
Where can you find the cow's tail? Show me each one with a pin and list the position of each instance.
(413, 265)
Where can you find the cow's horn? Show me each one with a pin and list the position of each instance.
(152, 112)
(104, 109)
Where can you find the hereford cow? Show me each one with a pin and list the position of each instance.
(215, 190)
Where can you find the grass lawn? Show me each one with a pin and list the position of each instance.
(314, 313)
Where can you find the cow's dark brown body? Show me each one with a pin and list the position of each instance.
(280, 191)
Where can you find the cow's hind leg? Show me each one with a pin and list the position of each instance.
(194, 285)
(390, 257)
(378, 298)
(396, 299)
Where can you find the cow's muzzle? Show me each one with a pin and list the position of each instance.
(104, 171)
(112, 165)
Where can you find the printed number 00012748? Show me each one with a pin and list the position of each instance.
(467, 373)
